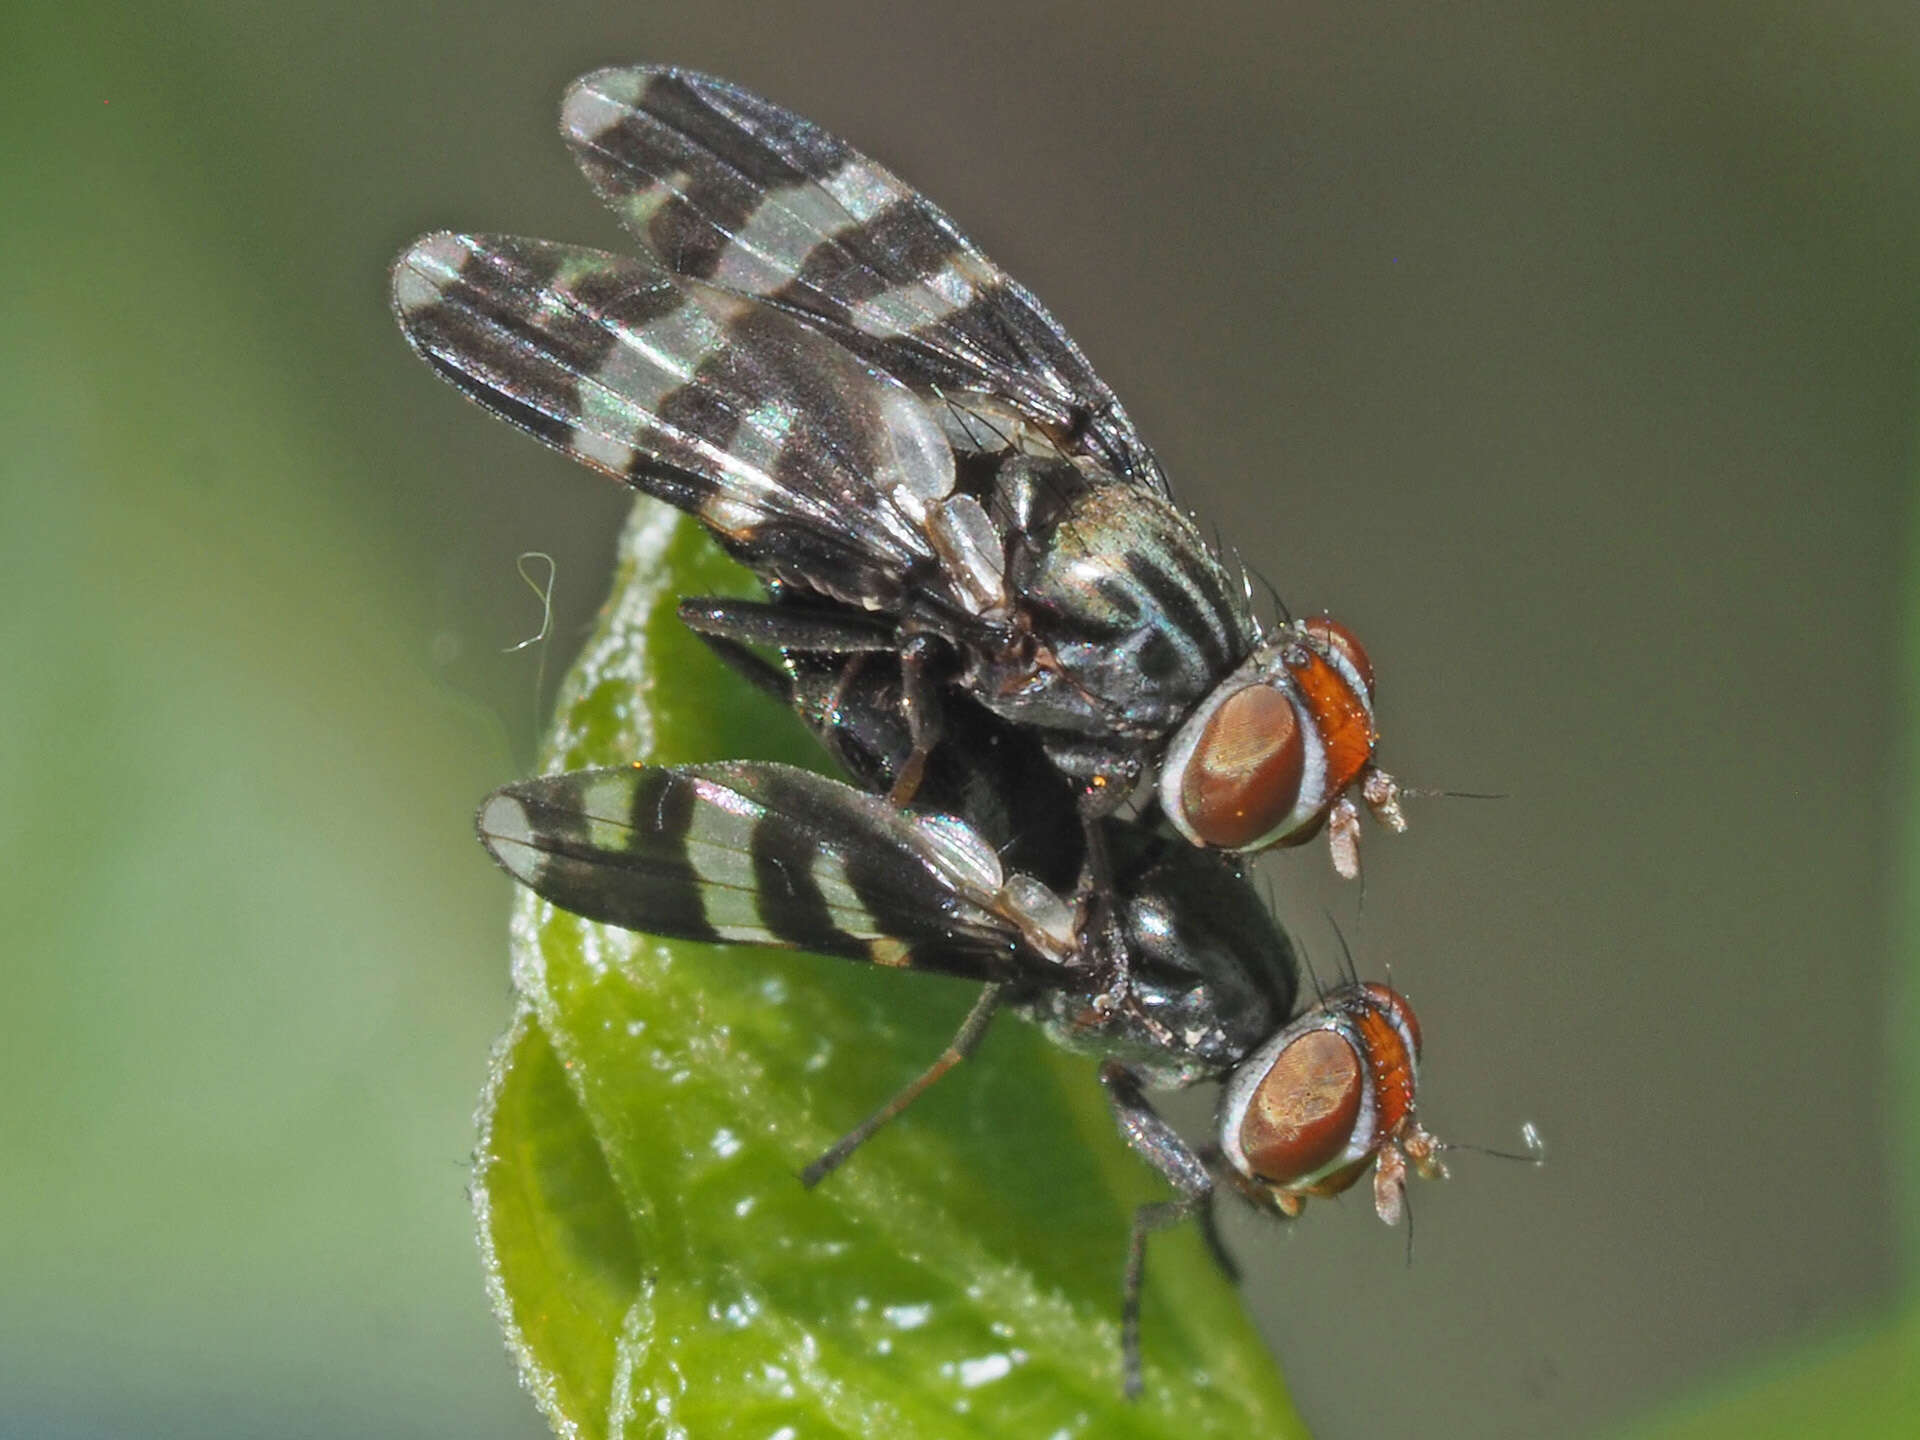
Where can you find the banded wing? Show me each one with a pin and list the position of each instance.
(770, 855)
(727, 188)
(807, 464)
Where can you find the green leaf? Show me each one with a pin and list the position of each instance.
(561, 1261)
(656, 1264)
(1864, 1385)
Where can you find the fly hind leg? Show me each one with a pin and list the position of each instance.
(965, 1041)
(788, 625)
(751, 666)
(729, 626)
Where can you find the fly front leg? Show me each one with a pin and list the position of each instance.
(1161, 1146)
(1114, 975)
(1103, 920)
(1097, 880)
(1104, 778)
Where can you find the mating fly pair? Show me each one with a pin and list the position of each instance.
(985, 601)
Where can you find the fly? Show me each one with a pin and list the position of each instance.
(903, 443)
(763, 854)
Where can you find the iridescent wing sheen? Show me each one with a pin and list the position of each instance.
(805, 462)
(768, 855)
(724, 187)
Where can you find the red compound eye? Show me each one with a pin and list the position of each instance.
(1303, 1112)
(1243, 777)
(1337, 638)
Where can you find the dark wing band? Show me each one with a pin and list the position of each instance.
(805, 462)
(724, 187)
(770, 855)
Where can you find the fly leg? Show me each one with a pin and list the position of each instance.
(751, 666)
(1159, 1144)
(852, 747)
(788, 626)
(779, 683)
(1208, 1219)
(965, 1041)
(729, 625)
(920, 700)
(1096, 880)
(1115, 975)
(1105, 778)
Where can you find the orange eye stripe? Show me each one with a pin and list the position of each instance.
(1339, 714)
(1336, 636)
(1392, 1064)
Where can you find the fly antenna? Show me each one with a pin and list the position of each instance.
(1428, 792)
(1534, 1153)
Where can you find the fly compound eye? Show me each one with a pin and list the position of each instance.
(1342, 642)
(1300, 1117)
(1243, 776)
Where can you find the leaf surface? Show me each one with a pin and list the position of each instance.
(657, 1266)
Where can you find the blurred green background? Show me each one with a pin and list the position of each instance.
(1565, 351)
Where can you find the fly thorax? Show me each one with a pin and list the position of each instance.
(1140, 616)
(1208, 964)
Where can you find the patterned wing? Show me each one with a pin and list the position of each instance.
(805, 462)
(769, 855)
(726, 188)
